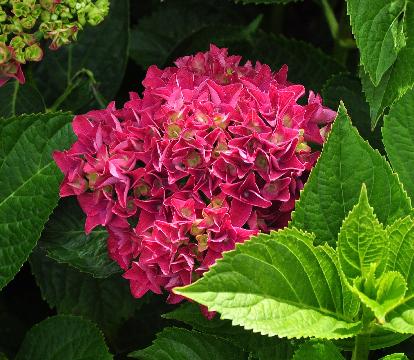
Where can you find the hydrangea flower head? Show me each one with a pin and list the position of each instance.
(211, 154)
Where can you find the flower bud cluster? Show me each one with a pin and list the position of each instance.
(212, 153)
(25, 23)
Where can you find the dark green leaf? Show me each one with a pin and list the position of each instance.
(64, 338)
(152, 45)
(260, 346)
(29, 183)
(65, 240)
(347, 88)
(16, 99)
(316, 350)
(108, 302)
(182, 344)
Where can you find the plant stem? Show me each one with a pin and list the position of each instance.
(330, 18)
(361, 349)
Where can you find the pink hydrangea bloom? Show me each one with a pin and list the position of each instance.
(212, 153)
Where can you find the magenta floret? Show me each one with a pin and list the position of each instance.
(213, 153)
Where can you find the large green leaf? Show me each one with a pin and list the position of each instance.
(361, 241)
(317, 350)
(256, 286)
(182, 344)
(399, 77)
(64, 338)
(398, 132)
(103, 50)
(262, 347)
(334, 185)
(29, 183)
(16, 99)
(65, 240)
(108, 302)
(379, 32)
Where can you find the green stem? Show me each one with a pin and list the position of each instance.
(362, 341)
(361, 349)
(330, 19)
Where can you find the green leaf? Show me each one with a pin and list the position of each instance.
(16, 99)
(348, 89)
(152, 45)
(307, 64)
(268, 300)
(390, 291)
(361, 240)
(334, 185)
(108, 302)
(64, 338)
(399, 78)
(182, 344)
(397, 356)
(261, 346)
(317, 350)
(65, 241)
(398, 133)
(379, 31)
(29, 183)
(400, 258)
(102, 50)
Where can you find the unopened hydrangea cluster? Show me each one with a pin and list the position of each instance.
(212, 153)
(25, 23)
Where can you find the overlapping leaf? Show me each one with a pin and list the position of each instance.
(399, 78)
(361, 241)
(398, 132)
(262, 347)
(29, 183)
(334, 185)
(378, 27)
(268, 299)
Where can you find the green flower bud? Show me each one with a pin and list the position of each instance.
(17, 43)
(47, 4)
(33, 53)
(21, 10)
(3, 15)
(28, 22)
(5, 53)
